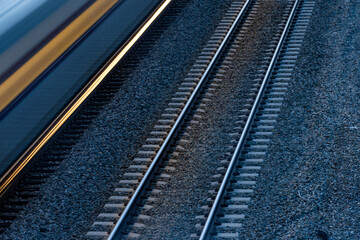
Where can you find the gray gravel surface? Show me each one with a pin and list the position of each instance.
(310, 182)
(72, 198)
(208, 140)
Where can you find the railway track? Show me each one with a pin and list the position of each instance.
(133, 209)
(231, 202)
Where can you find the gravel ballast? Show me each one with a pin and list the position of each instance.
(310, 181)
(207, 142)
(309, 187)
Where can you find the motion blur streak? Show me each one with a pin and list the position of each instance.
(28, 72)
(23, 8)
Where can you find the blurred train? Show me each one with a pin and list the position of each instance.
(27, 25)
(50, 51)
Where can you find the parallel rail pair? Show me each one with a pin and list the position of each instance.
(121, 224)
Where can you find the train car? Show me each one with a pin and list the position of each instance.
(53, 54)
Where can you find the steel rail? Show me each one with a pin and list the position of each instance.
(121, 223)
(205, 234)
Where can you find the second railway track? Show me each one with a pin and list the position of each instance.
(164, 187)
(231, 201)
